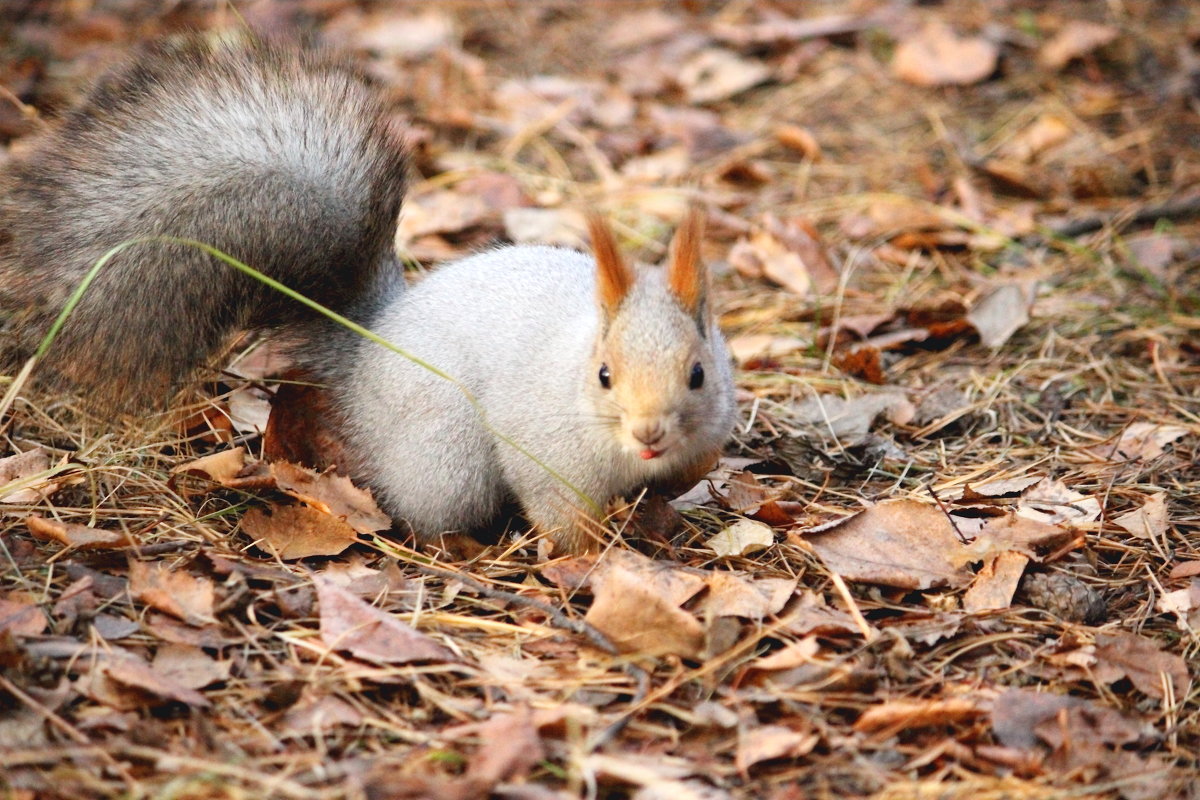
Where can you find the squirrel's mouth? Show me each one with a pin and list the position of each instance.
(648, 453)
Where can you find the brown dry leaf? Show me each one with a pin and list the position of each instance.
(332, 494)
(1017, 712)
(509, 747)
(20, 616)
(762, 255)
(1010, 532)
(135, 674)
(937, 56)
(716, 74)
(1051, 502)
(850, 421)
(1141, 660)
(300, 428)
(742, 537)
(440, 212)
(70, 534)
(180, 594)
(1184, 604)
(793, 654)
(189, 666)
(734, 595)
(348, 623)
(763, 742)
(1076, 39)
(893, 716)
(1002, 312)
(899, 543)
(564, 227)
(637, 605)
(800, 139)
(315, 716)
(996, 583)
(221, 467)
(297, 531)
(23, 467)
(764, 346)
(1044, 133)
(1145, 441)
(1148, 521)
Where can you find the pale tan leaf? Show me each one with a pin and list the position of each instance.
(637, 605)
(764, 742)
(348, 623)
(1077, 38)
(996, 583)
(899, 543)
(1002, 312)
(742, 537)
(221, 467)
(897, 715)
(748, 347)
(70, 534)
(137, 675)
(20, 616)
(298, 531)
(178, 593)
(1148, 521)
(18, 482)
(734, 595)
(1145, 440)
(189, 666)
(1143, 661)
(717, 74)
(333, 494)
(937, 56)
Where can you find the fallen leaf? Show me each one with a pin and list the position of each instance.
(189, 666)
(899, 543)
(509, 747)
(742, 537)
(23, 468)
(1184, 604)
(1002, 312)
(1145, 441)
(850, 421)
(717, 74)
(1148, 521)
(1141, 660)
(800, 139)
(315, 716)
(894, 716)
(333, 494)
(21, 616)
(348, 623)
(545, 226)
(762, 255)
(936, 56)
(1045, 132)
(637, 605)
(135, 674)
(406, 36)
(178, 593)
(221, 467)
(734, 595)
(1051, 502)
(759, 346)
(764, 742)
(996, 583)
(297, 531)
(1076, 39)
(1016, 713)
(70, 534)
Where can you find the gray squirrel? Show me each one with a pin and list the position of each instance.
(590, 378)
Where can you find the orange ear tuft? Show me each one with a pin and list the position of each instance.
(685, 273)
(614, 278)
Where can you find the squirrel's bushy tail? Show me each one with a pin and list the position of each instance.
(284, 160)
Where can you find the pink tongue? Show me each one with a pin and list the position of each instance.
(648, 453)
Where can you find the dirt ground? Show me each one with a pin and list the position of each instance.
(952, 551)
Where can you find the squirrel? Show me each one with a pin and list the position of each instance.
(577, 378)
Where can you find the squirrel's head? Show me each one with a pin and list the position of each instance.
(660, 371)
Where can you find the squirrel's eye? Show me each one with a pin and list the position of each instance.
(697, 378)
(605, 377)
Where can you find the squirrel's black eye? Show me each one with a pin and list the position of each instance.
(697, 378)
(605, 377)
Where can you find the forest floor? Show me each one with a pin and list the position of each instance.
(953, 550)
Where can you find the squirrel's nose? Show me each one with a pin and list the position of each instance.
(648, 432)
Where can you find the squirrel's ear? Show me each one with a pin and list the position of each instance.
(614, 278)
(686, 275)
